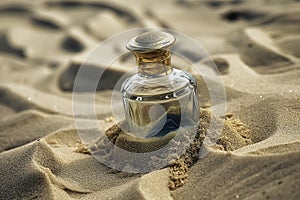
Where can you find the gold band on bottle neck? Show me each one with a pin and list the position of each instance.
(154, 62)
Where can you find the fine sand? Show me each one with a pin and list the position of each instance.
(256, 47)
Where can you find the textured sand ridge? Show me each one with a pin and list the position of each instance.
(255, 45)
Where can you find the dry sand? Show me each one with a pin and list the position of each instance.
(256, 46)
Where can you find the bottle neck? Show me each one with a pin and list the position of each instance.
(154, 63)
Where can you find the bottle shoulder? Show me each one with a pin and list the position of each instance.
(145, 86)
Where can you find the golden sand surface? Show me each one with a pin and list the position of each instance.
(256, 47)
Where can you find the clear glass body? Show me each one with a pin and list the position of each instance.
(159, 100)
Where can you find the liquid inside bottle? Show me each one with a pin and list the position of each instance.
(159, 99)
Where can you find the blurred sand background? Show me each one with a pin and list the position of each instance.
(256, 46)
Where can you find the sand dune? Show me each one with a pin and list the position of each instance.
(255, 45)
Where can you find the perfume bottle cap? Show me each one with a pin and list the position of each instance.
(150, 41)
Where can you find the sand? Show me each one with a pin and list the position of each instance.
(255, 45)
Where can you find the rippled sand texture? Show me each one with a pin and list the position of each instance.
(255, 44)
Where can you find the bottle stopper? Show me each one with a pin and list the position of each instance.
(150, 41)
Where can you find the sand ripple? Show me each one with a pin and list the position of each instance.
(255, 45)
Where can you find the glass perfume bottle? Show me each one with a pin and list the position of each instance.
(158, 99)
